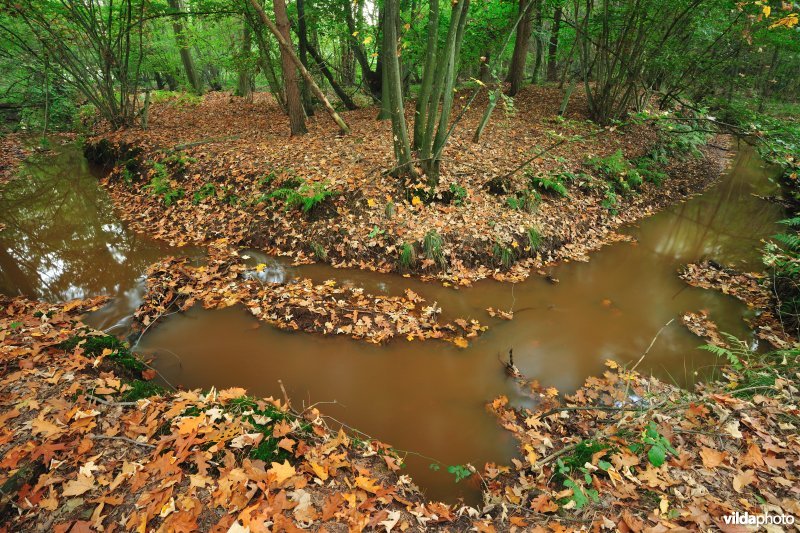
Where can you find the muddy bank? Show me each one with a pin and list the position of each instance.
(216, 170)
(79, 450)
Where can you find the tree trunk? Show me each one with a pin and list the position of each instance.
(516, 70)
(268, 68)
(302, 38)
(552, 66)
(183, 45)
(323, 67)
(294, 104)
(393, 90)
(537, 65)
(286, 48)
(373, 78)
(484, 74)
(421, 109)
(244, 85)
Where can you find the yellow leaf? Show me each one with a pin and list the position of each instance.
(367, 484)
(282, 472)
(461, 342)
(260, 267)
(368, 39)
(371, 202)
(743, 479)
(319, 470)
(767, 10)
(530, 454)
(415, 200)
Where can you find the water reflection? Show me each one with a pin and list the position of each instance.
(62, 239)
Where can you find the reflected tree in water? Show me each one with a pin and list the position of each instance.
(62, 239)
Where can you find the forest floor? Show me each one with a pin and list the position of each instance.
(224, 168)
(85, 446)
(11, 154)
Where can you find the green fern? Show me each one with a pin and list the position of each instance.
(737, 352)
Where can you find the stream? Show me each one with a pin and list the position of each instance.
(62, 240)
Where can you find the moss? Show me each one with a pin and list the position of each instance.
(141, 389)
(95, 345)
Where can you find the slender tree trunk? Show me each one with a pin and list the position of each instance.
(537, 65)
(244, 85)
(323, 67)
(302, 37)
(294, 104)
(393, 90)
(552, 52)
(443, 66)
(183, 46)
(421, 109)
(267, 65)
(516, 70)
(373, 78)
(484, 74)
(493, 97)
(286, 48)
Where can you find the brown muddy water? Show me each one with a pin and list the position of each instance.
(427, 398)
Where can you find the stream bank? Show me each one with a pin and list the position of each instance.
(190, 178)
(624, 451)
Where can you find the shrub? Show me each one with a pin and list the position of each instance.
(408, 256)
(459, 193)
(160, 185)
(433, 248)
(504, 255)
(534, 239)
(319, 251)
(783, 256)
(205, 191)
(617, 171)
(523, 201)
(551, 183)
(306, 197)
(610, 201)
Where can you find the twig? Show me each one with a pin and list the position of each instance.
(124, 439)
(106, 402)
(285, 395)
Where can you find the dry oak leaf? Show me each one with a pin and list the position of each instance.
(319, 470)
(743, 479)
(282, 472)
(78, 486)
(712, 458)
(543, 503)
(367, 484)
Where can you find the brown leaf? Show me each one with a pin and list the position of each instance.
(712, 458)
(744, 479)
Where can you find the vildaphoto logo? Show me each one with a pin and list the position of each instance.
(747, 519)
